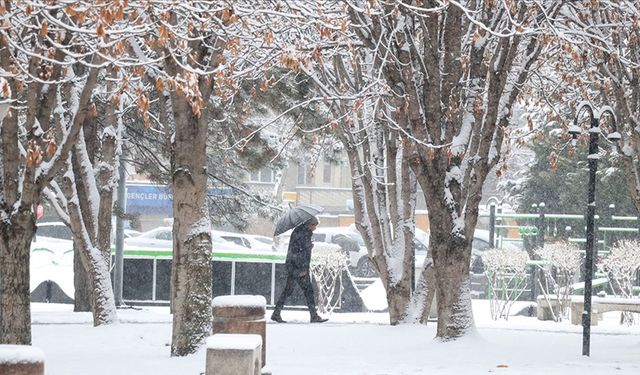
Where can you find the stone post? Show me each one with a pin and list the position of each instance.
(242, 314)
(233, 354)
(21, 360)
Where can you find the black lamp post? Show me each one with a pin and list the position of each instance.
(593, 156)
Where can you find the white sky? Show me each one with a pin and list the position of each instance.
(348, 344)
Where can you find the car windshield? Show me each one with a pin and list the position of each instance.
(264, 240)
(357, 237)
(54, 230)
(217, 239)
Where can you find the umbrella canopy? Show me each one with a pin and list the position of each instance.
(296, 216)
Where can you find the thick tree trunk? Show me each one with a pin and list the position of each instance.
(82, 292)
(451, 260)
(398, 298)
(98, 279)
(191, 268)
(102, 298)
(95, 265)
(15, 302)
(423, 296)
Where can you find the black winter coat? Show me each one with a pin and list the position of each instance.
(299, 252)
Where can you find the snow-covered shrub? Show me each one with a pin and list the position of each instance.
(560, 261)
(327, 263)
(506, 271)
(622, 266)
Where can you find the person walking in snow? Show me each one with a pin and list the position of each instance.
(297, 266)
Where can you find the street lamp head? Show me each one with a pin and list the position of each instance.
(614, 138)
(574, 130)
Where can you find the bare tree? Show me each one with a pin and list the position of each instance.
(453, 71)
(49, 58)
(194, 56)
(442, 78)
(84, 201)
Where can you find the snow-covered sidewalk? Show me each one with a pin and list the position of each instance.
(348, 344)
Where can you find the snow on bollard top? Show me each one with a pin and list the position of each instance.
(231, 341)
(20, 354)
(240, 301)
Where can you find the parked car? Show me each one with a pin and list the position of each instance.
(220, 244)
(258, 241)
(420, 244)
(351, 243)
(54, 229)
(162, 237)
(60, 230)
(479, 244)
(253, 242)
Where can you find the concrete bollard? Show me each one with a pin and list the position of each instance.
(21, 360)
(234, 354)
(242, 314)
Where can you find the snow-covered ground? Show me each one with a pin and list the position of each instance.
(348, 344)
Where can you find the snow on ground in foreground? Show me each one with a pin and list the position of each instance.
(349, 344)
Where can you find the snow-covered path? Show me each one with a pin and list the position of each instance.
(349, 344)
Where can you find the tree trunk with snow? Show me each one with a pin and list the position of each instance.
(384, 208)
(85, 203)
(15, 301)
(451, 258)
(82, 289)
(191, 268)
(83, 222)
(451, 78)
(82, 292)
(53, 71)
(24, 181)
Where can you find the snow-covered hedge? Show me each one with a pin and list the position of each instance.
(622, 266)
(560, 261)
(327, 263)
(506, 271)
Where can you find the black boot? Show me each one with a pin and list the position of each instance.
(276, 317)
(318, 319)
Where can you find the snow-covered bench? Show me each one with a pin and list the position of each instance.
(241, 314)
(545, 305)
(601, 305)
(21, 360)
(234, 354)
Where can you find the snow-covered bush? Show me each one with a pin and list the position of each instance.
(558, 267)
(327, 264)
(506, 271)
(622, 266)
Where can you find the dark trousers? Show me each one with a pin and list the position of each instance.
(305, 284)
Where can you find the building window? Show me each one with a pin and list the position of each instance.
(303, 176)
(263, 175)
(326, 173)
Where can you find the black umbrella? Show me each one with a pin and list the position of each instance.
(296, 216)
